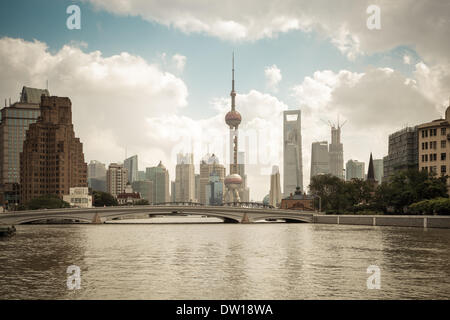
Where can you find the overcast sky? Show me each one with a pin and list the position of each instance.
(153, 78)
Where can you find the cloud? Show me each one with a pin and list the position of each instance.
(111, 96)
(260, 136)
(122, 102)
(273, 77)
(179, 61)
(422, 24)
(406, 59)
(375, 103)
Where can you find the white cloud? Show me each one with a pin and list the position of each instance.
(273, 77)
(375, 103)
(423, 24)
(179, 61)
(406, 59)
(122, 101)
(111, 96)
(260, 136)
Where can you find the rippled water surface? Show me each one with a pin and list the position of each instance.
(224, 261)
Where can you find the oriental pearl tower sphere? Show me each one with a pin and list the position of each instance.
(233, 118)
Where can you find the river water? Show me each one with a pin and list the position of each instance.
(224, 261)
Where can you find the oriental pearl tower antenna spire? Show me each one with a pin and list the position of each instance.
(233, 118)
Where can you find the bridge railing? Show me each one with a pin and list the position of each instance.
(248, 205)
(178, 203)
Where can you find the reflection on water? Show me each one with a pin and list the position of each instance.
(224, 261)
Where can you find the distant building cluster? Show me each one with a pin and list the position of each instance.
(41, 155)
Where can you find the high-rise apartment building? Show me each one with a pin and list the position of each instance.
(52, 160)
(336, 152)
(185, 178)
(14, 122)
(116, 179)
(403, 152)
(275, 187)
(434, 146)
(320, 160)
(131, 164)
(208, 165)
(354, 169)
(292, 151)
(159, 175)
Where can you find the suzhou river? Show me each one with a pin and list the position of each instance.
(224, 261)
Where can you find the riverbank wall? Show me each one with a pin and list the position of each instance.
(381, 220)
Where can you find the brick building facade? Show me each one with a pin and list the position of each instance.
(52, 160)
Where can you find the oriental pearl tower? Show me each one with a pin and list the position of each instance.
(233, 118)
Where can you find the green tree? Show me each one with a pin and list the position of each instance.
(141, 202)
(101, 199)
(49, 201)
(408, 187)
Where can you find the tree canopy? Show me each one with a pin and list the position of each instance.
(403, 189)
(101, 199)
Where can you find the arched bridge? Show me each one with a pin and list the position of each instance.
(99, 215)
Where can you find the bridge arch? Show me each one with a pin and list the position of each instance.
(287, 218)
(26, 220)
(229, 218)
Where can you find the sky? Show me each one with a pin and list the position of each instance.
(153, 78)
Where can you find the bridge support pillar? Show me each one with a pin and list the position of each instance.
(245, 219)
(97, 219)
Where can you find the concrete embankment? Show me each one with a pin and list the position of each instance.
(380, 220)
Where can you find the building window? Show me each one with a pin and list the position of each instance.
(443, 169)
(443, 156)
(443, 131)
(443, 143)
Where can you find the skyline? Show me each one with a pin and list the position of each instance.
(177, 86)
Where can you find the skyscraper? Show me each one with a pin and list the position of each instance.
(145, 189)
(116, 179)
(14, 122)
(355, 170)
(233, 182)
(336, 152)
(292, 151)
(275, 187)
(131, 164)
(185, 178)
(378, 167)
(96, 169)
(320, 160)
(97, 175)
(403, 152)
(208, 165)
(159, 175)
(197, 187)
(244, 191)
(52, 160)
(214, 190)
